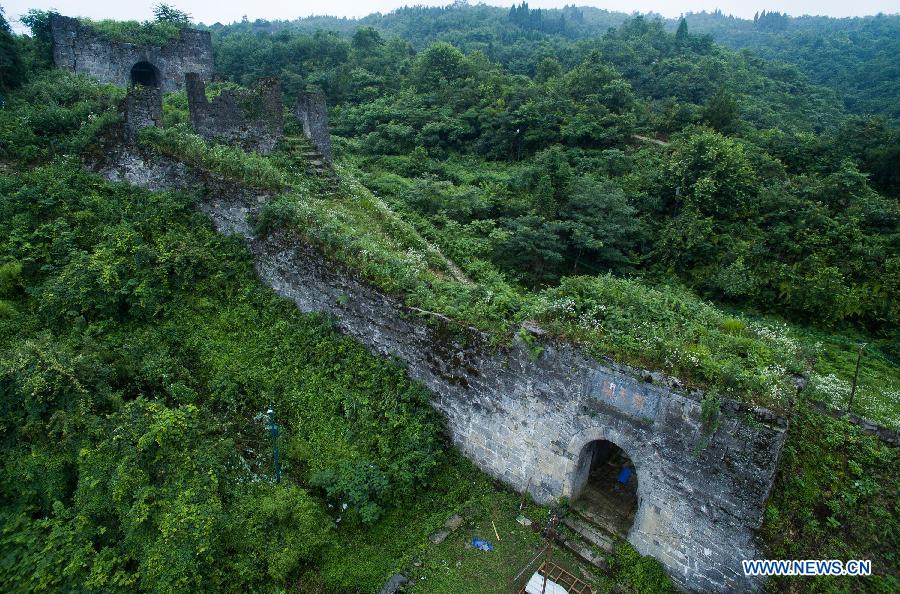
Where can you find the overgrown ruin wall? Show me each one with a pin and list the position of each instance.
(80, 49)
(526, 421)
(253, 119)
(312, 113)
(142, 109)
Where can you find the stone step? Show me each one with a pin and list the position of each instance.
(590, 534)
(599, 521)
(584, 552)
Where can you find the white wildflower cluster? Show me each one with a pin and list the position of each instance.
(563, 307)
(779, 391)
(775, 333)
(774, 371)
(593, 318)
(673, 356)
(415, 259)
(830, 389)
(878, 405)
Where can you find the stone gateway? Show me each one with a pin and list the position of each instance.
(79, 48)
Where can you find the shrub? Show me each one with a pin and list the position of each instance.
(640, 574)
(355, 489)
(227, 161)
(147, 33)
(10, 278)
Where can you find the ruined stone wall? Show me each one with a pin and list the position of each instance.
(312, 112)
(526, 421)
(142, 108)
(251, 118)
(80, 49)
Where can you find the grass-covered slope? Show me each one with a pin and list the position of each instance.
(835, 497)
(668, 330)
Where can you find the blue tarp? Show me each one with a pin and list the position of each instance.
(624, 475)
(482, 545)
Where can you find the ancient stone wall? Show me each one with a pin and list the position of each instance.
(80, 49)
(143, 108)
(251, 118)
(312, 112)
(525, 420)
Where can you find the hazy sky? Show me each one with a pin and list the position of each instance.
(226, 11)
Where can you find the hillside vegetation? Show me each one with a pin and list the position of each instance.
(854, 57)
(755, 191)
(753, 243)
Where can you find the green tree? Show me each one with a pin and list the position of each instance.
(715, 174)
(12, 72)
(164, 13)
(721, 111)
(547, 68)
(603, 226)
(438, 66)
(681, 35)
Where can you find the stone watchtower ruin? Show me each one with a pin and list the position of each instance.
(79, 48)
(252, 118)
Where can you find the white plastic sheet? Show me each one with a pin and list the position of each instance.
(537, 582)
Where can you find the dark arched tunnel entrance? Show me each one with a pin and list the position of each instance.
(604, 488)
(145, 74)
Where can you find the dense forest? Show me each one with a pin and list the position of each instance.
(712, 197)
(536, 164)
(855, 57)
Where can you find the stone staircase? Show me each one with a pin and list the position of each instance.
(305, 152)
(593, 528)
(585, 540)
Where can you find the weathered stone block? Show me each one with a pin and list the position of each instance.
(312, 113)
(143, 108)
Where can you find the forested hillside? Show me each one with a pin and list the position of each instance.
(643, 192)
(546, 173)
(854, 57)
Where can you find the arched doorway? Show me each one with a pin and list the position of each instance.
(604, 487)
(145, 74)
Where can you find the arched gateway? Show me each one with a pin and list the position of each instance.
(145, 74)
(605, 487)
